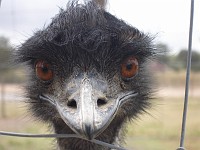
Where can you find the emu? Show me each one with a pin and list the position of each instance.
(88, 75)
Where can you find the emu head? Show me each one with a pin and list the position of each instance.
(88, 72)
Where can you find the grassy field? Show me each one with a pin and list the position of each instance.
(18, 121)
(161, 130)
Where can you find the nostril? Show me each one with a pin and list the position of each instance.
(72, 103)
(101, 102)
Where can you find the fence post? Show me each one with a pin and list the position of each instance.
(3, 103)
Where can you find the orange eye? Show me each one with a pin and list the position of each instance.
(43, 70)
(129, 67)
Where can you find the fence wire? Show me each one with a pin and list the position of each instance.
(189, 58)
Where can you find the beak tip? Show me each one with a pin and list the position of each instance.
(88, 132)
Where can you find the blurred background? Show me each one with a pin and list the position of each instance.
(167, 20)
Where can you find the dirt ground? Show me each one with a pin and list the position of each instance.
(178, 92)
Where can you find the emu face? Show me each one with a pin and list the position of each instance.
(88, 72)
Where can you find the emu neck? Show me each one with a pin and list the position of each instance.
(110, 135)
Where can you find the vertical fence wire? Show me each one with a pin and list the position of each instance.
(189, 58)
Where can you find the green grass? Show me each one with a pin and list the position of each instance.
(16, 121)
(158, 131)
(162, 131)
(10, 143)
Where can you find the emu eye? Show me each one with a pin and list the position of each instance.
(129, 67)
(43, 70)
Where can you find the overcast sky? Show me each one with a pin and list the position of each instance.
(167, 19)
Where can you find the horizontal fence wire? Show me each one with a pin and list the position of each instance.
(25, 135)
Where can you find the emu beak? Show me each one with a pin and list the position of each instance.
(91, 114)
(88, 112)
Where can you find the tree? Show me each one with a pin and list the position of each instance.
(5, 53)
(9, 72)
(182, 58)
(178, 61)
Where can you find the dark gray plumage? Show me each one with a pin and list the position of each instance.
(80, 78)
